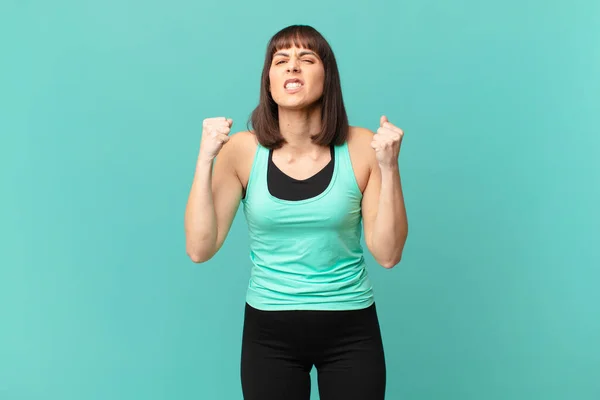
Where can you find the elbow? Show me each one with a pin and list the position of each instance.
(197, 256)
(395, 259)
(390, 263)
(387, 255)
(389, 260)
(199, 248)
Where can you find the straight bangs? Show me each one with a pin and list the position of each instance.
(297, 36)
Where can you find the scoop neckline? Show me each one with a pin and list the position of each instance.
(336, 159)
(333, 160)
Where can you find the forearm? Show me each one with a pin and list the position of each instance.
(390, 228)
(200, 216)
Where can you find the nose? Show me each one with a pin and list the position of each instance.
(293, 66)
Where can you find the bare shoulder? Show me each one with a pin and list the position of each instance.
(358, 133)
(244, 136)
(361, 154)
(240, 145)
(359, 142)
(240, 150)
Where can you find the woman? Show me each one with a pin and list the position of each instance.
(306, 180)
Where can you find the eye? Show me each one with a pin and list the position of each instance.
(278, 62)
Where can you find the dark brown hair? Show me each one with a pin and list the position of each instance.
(334, 120)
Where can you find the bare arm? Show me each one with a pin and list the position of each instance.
(384, 214)
(212, 203)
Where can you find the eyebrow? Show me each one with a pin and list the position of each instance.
(302, 53)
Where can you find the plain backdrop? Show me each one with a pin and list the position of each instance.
(101, 107)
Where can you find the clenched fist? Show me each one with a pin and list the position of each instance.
(386, 143)
(214, 136)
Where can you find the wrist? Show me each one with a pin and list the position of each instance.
(204, 161)
(391, 167)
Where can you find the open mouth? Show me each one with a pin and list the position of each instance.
(293, 85)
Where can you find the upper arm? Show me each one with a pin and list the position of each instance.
(226, 188)
(370, 199)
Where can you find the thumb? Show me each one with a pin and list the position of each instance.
(230, 122)
(383, 120)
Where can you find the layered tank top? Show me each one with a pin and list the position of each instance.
(305, 237)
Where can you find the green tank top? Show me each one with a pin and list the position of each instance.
(306, 254)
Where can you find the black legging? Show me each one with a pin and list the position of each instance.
(279, 348)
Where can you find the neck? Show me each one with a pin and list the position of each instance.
(297, 126)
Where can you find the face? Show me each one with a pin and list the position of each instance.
(297, 77)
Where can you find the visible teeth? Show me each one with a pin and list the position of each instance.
(293, 85)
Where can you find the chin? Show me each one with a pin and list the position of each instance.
(290, 103)
(295, 104)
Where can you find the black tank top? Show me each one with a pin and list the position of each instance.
(285, 187)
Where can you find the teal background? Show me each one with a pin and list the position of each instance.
(101, 106)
